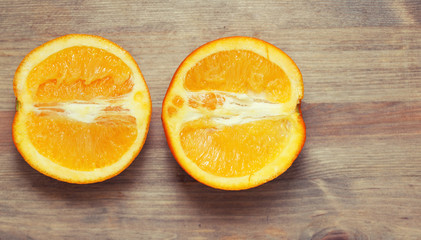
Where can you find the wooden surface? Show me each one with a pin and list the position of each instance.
(358, 176)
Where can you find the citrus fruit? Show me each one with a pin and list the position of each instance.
(83, 109)
(232, 114)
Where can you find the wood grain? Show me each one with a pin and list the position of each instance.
(358, 176)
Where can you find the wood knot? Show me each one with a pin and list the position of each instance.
(338, 234)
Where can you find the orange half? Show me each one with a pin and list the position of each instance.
(232, 113)
(83, 109)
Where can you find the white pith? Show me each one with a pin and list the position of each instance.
(238, 108)
(86, 111)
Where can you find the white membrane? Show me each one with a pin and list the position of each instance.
(236, 109)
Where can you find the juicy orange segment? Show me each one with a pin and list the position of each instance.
(51, 90)
(239, 71)
(83, 109)
(207, 100)
(80, 73)
(241, 126)
(53, 136)
(219, 150)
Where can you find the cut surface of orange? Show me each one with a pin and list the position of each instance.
(232, 114)
(83, 109)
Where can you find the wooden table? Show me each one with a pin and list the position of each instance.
(358, 176)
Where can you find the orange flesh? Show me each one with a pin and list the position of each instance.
(78, 90)
(234, 151)
(78, 145)
(207, 100)
(242, 148)
(80, 74)
(239, 71)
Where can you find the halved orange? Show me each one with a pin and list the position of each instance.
(83, 109)
(232, 113)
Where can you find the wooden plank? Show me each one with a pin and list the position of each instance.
(331, 186)
(389, 128)
(346, 53)
(291, 207)
(353, 65)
